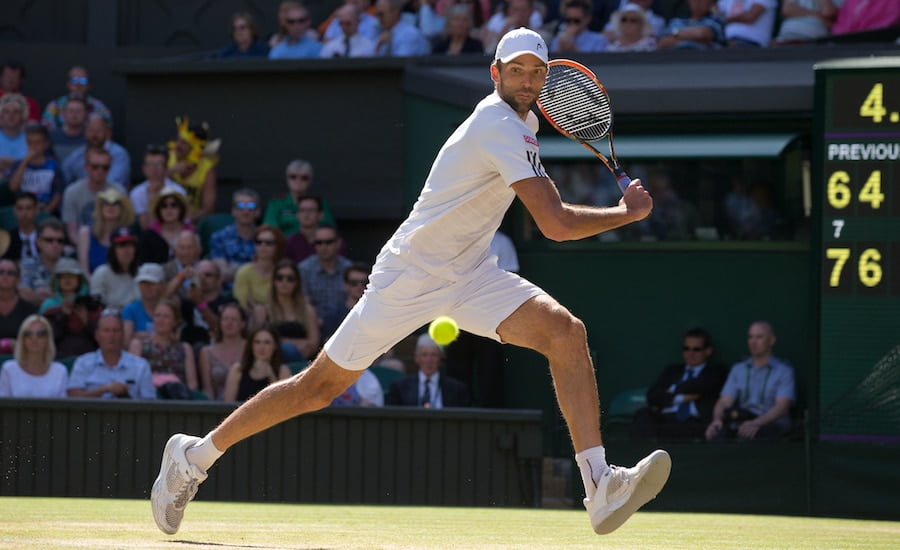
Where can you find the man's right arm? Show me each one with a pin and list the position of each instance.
(560, 221)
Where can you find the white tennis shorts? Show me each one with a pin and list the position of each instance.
(401, 298)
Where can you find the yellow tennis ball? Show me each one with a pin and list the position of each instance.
(443, 330)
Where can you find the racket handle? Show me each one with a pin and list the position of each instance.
(622, 179)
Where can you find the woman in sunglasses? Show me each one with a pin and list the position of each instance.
(290, 314)
(169, 217)
(32, 371)
(112, 209)
(253, 280)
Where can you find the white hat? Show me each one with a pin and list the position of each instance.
(151, 273)
(520, 42)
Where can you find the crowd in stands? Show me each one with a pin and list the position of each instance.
(399, 28)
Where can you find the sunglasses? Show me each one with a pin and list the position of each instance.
(248, 205)
(170, 204)
(573, 20)
(357, 282)
(53, 240)
(299, 176)
(104, 167)
(267, 242)
(324, 241)
(38, 333)
(10, 272)
(111, 203)
(288, 278)
(689, 348)
(297, 21)
(630, 20)
(83, 80)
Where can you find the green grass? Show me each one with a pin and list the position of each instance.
(28, 523)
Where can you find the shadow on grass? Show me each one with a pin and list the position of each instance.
(225, 545)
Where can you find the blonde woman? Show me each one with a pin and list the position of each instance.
(112, 209)
(290, 314)
(632, 29)
(32, 371)
(253, 280)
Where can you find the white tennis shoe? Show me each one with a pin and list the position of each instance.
(621, 491)
(176, 483)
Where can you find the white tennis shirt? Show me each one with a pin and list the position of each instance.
(467, 192)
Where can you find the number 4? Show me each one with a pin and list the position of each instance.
(873, 105)
(871, 190)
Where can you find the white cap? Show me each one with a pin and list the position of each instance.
(151, 273)
(520, 42)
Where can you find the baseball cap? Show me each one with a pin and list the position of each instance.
(123, 234)
(520, 42)
(67, 266)
(151, 273)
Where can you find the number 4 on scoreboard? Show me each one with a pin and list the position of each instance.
(873, 105)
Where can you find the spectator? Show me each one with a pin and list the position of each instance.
(111, 372)
(750, 212)
(13, 309)
(397, 38)
(281, 211)
(427, 388)
(206, 298)
(253, 280)
(323, 278)
(632, 29)
(421, 15)
(290, 314)
(74, 325)
(169, 219)
(350, 42)
(192, 164)
(23, 237)
(216, 359)
(575, 37)
(112, 210)
(748, 23)
(144, 194)
(680, 402)
(515, 14)
(12, 81)
(174, 372)
(457, 38)
(233, 246)
(79, 199)
(480, 10)
(180, 270)
(38, 172)
(297, 44)
(98, 134)
(282, 31)
(702, 30)
(805, 20)
(865, 15)
(245, 40)
(114, 280)
(33, 372)
(756, 399)
(260, 365)
(356, 277)
(67, 284)
(300, 245)
(37, 272)
(78, 84)
(70, 134)
(365, 392)
(13, 146)
(137, 317)
(656, 22)
(331, 28)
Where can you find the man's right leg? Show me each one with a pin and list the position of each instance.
(184, 462)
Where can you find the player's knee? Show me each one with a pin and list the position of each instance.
(566, 333)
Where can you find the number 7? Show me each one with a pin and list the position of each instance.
(841, 255)
(838, 226)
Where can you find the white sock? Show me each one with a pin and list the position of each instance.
(204, 453)
(592, 464)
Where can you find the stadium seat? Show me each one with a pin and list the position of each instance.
(209, 225)
(7, 218)
(68, 361)
(619, 414)
(297, 366)
(385, 375)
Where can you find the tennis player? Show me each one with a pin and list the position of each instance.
(437, 263)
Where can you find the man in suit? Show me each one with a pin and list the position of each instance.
(23, 237)
(428, 388)
(680, 402)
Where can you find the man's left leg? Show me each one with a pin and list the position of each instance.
(613, 493)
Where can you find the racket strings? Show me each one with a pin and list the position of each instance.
(576, 103)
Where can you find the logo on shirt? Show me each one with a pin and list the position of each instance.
(530, 140)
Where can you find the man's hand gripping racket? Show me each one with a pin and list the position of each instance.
(577, 105)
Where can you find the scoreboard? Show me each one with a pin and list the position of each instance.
(856, 244)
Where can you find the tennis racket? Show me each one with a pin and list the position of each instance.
(577, 105)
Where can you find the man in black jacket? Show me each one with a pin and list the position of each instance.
(680, 402)
(428, 388)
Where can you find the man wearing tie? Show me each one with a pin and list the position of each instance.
(428, 388)
(680, 402)
(350, 43)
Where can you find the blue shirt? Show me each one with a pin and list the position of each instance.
(715, 24)
(136, 313)
(227, 244)
(13, 147)
(325, 290)
(256, 49)
(406, 40)
(586, 41)
(756, 388)
(303, 48)
(44, 180)
(90, 371)
(119, 170)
